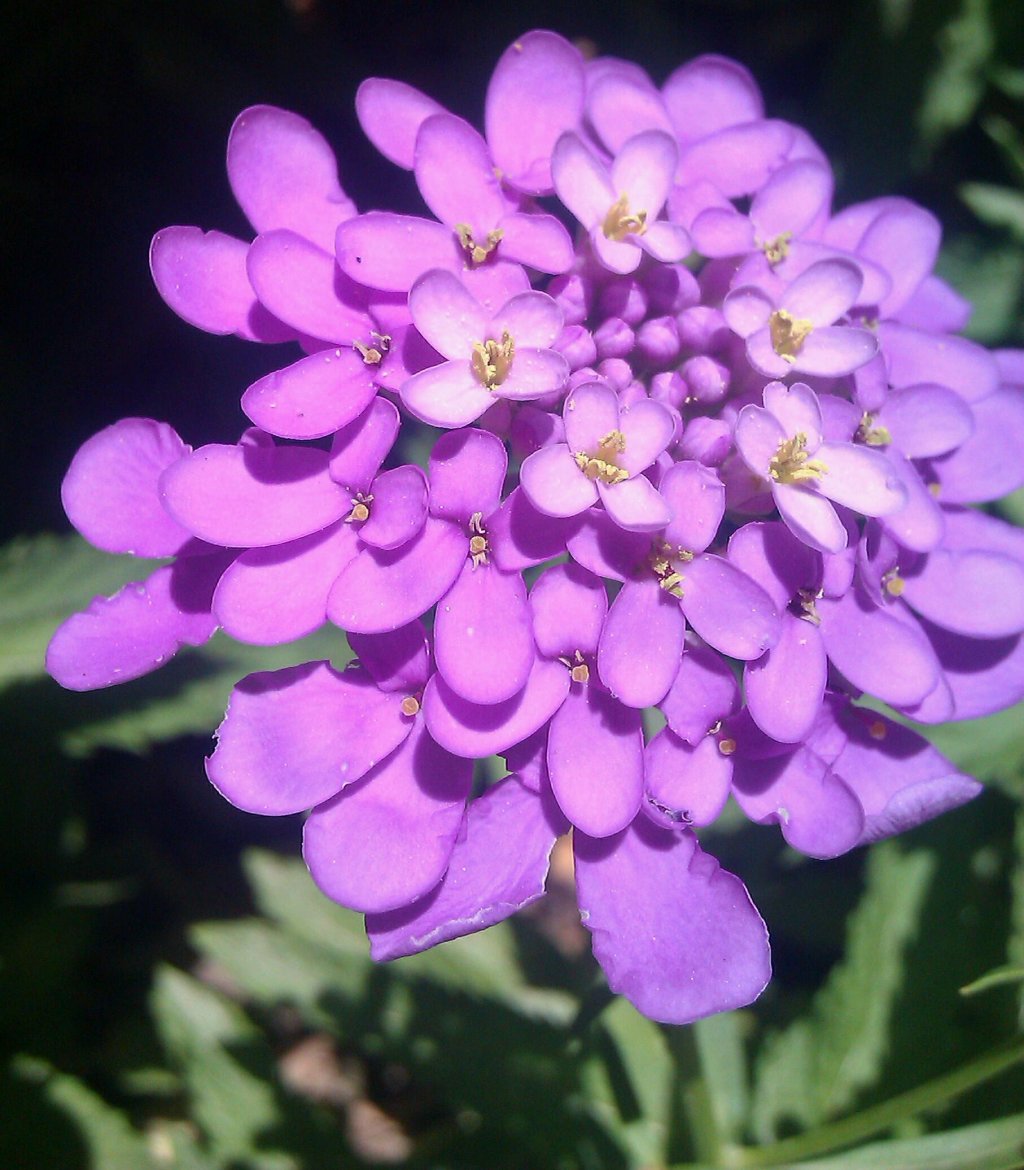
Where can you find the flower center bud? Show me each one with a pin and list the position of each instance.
(478, 546)
(492, 360)
(373, 353)
(621, 222)
(790, 463)
(360, 509)
(603, 463)
(805, 606)
(893, 583)
(478, 253)
(788, 333)
(871, 435)
(775, 251)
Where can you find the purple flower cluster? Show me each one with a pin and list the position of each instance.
(709, 452)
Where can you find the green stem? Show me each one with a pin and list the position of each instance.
(692, 1096)
(874, 1120)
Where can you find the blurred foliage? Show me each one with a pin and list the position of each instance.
(171, 995)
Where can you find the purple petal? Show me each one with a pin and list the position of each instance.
(710, 93)
(649, 428)
(983, 675)
(532, 318)
(581, 180)
(398, 508)
(643, 170)
(382, 590)
(203, 278)
(810, 517)
(904, 239)
(455, 174)
(685, 785)
(737, 159)
(747, 310)
(696, 497)
(823, 292)
(536, 240)
(284, 175)
(784, 688)
(535, 93)
(772, 556)
(881, 651)
(110, 492)
(635, 504)
(674, 933)
(447, 395)
(988, 464)
(294, 737)
(483, 638)
(123, 637)
(832, 351)
(861, 478)
(246, 497)
(969, 591)
(398, 660)
(729, 610)
(815, 809)
(554, 484)
(273, 595)
(608, 550)
(498, 866)
(917, 356)
(595, 760)
(641, 643)
(386, 841)
(521, 537)
(703, 693)
(796, 196)
(447, 314)
(926, 420)
(314, 397)
(622, 104)
(899, 778)
(479, 730)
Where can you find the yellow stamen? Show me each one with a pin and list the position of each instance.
(790, 463)
(788, 334)
(492, 360)
(661, 561)
(360, 509)
(478, 253)
(478, 546)
(603, 463)
(894, 583)
(410, 705)
(727, 746)
(807, 603)
(775, 251)
(871, 435)
(621, 222)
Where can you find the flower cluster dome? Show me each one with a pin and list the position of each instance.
(708, 458)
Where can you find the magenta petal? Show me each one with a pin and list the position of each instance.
(641, 643)
(696, 496)
(314, 397)
(983, 675)
(824, 291)
(498, 866)
(110, 492)
(391, 252)
(810, 517)
(703, 693)
(391, 114)
(382, 590)
(709, 93)
(535, 93)
(137, 630)
(245, 496)
(727, 608)
(467, 473)
(635, 504)
(273, 595)
(916, 355)
(359, 447)
(398, 509)
(926, 420)
(479, 730)
(483, 638)
(446, 396)
(861, 478)
(569, 606)
(969, 591)
(292, 738)
(554, 484)
(608, 550)
(685, 785)
(815, 809)
(784, 689)
(536, 240)
(202, 276)
(299, 283)
(521, 537)
(386, 841)
(455, 175)
(831, 351)
(284, 175)
(988, 464)
(737, 159)
(674, 933)
(595, 760)
(398, 660)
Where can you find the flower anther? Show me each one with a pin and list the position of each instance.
(790, 463)
(603, 465)
(360, 509)
(478, 253)
(621, 222)
(788, 333)
(478, 546)
(492, 360)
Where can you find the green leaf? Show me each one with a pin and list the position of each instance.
(815, 1069)
(991, 279)
(991, 748)
(197, 704)
(996, 206)
(109, 1137)
(1015, 945)
(225, 1064)
(43, 580)
(997, 977)
(956, 84)
(723, 1065)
